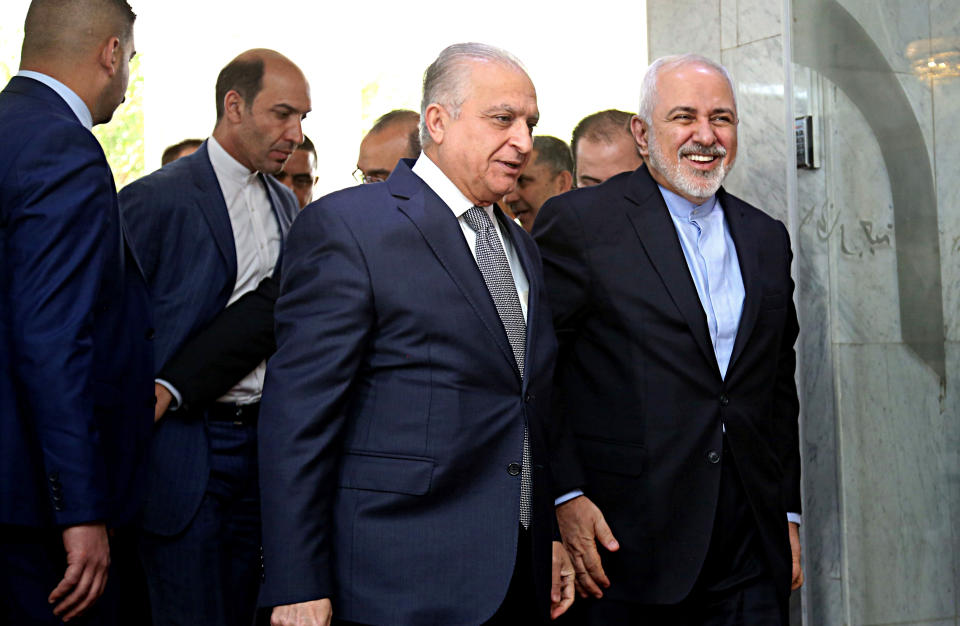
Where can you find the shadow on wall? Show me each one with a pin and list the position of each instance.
(830, 41)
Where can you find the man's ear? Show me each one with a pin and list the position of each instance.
(233, 105)
(640, 129)
(109, 55)
(436, 119)
(564, 182)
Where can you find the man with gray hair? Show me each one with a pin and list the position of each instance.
(602, 147)
(549, 173)
(75, 336)
(679, 452)
(394, 136)
(403, 460)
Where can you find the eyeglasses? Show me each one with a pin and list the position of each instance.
(363, 179)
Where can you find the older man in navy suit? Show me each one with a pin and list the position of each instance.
(75, 392)
(403, 454)
(209, 228)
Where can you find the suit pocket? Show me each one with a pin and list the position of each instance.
(608, 455)
(410, 475)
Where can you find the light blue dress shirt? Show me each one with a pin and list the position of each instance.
(714, 267)
(69, 96)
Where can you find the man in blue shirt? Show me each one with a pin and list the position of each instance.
(672, 302)
(76, 397)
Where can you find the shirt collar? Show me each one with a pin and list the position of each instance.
(228, 167)
(430, 173)
(683, 209)
(76, 104)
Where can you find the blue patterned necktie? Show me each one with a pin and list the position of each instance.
(495, 268)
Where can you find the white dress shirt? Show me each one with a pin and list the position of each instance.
(436, 180)
(256, 236)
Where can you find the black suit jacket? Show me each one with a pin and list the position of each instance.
(639, 390)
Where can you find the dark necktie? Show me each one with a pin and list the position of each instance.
(499, 279)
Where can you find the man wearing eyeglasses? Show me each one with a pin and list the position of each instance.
(299, 173)
(395, 136)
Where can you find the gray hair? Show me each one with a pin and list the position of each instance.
(648, 88)
(444, 82)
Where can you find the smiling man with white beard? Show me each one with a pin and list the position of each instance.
(673, 306)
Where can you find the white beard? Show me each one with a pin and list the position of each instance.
(688, 181)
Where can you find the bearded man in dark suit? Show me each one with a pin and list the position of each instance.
(672, 302)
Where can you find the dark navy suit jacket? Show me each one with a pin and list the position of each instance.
(392, 411)
(639, 390)
(181, 231)
(76, 397)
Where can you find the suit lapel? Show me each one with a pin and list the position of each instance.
(214, 208)
(747, 255)
(283, 219)
(651, 220)
(443, 234)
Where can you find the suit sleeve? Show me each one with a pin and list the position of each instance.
(559, 234)
(212, 362)
(324, 316)
(786, 402)
(56, 260)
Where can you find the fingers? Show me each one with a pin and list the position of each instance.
(586, 584)
(563, 592)
(795, 553)
(604, 534)
(69, 581)
(556, 590)
(797, 581)
(91, 585)
(88, 559)
(312, 613)
(594, 567)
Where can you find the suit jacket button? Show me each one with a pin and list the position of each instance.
(529, 397)
(713, 457)
(724, 400)
(513, 469)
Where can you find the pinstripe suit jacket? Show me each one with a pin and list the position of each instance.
(179, 223)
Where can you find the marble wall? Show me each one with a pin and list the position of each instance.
(880, 420)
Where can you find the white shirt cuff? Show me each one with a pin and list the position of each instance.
(795, 518)
(570, 495)
(177, 398)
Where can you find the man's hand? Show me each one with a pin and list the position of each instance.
(582, 525)
(88, 558)
(794, 529)
(164, 398)
(561, 594)
(313, 613)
